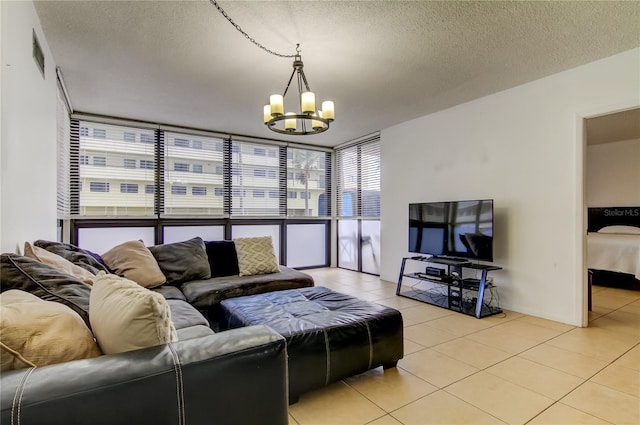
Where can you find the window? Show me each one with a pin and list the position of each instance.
(178, 166)
(271, 174)
(182, 143)
(147, 164)
(118, 157)
(84, 131)
(201, 181)
(272, 153)
(98, 187)
(128, 188)
(273, 194)
(147, 138)
(149, 189)
(250, 165)
(307, 173)
(178, 190)
(358, 186)
(292, 195)
(84, 159)
(218, 146)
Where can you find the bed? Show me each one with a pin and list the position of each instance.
(613, 240)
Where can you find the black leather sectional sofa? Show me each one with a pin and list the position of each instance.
(233, 377)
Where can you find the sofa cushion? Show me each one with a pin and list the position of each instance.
(256, 256)
(35, 332)
(125, 316)
(223, 258)
(192, 332)
(182, 261)
(184, 315)
(58, 262)
(169, 292)
(204, 294)
(134, 261)
(45, 282)
(80, 257)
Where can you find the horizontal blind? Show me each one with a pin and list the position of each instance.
(358, 179)
(193, 175)
(63, 178)
(116, 170)
(255, 179)
(370, 179)
(308, 174)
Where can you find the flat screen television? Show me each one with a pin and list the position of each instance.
(458, 229)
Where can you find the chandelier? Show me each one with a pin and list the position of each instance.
(308, 120)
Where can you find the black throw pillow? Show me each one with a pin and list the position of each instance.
(45, 282)
(80, 257)
(182, 261)
(223, 258)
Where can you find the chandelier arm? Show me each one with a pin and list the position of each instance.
(247, 36)
(289, 83)
(304, 78)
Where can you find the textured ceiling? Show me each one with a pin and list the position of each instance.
(382, 63)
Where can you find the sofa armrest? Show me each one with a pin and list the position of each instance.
(233, 377)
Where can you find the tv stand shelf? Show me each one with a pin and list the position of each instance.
(448, 288)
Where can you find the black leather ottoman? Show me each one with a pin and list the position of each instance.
(330, 336)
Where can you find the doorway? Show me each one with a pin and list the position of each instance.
(611, 179)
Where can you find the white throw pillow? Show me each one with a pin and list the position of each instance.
(620, 230)
(125, 316)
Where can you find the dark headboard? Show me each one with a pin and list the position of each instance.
(612, 216)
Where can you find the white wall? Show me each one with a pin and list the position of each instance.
(613, 174)
(522, 147)
(27, 131)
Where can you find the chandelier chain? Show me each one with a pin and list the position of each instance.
(243, 32)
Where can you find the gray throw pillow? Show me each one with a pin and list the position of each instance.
(45, 282)
(182, 261)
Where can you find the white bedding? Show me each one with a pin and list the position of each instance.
(614, 252)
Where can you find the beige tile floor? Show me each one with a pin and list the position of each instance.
(504, 369)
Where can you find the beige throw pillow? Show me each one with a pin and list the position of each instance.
(256, 256)
(34, 332)
(134, 261)
(57, 262)
(125, 316)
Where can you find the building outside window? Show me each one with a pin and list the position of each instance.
(198, 191)
(182, 143)
(98, 187)
(258, 193)
(129, 137)
(128, 188)
(178, 190)
(180, 167)
(147, 164)
(197, 168)
(99, 161)
(129, 163)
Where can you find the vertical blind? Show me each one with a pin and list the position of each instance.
(358, 179)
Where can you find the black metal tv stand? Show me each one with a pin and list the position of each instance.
(452, 291)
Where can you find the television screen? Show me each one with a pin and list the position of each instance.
(461, 229)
